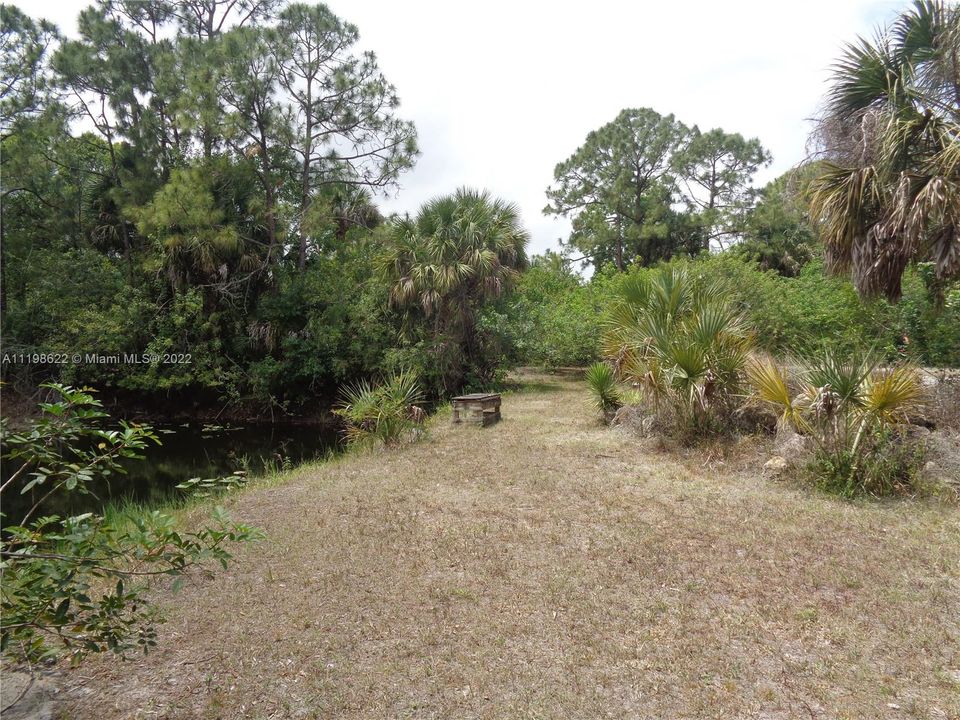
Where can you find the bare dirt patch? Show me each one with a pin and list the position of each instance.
(549, 567)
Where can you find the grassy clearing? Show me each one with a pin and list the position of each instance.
(548, 567)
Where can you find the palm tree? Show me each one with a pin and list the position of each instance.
(888, 193)
(329, 215)
(352, 206)
(459, 251)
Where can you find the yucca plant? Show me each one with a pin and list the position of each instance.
(382, 413)
(678, 339)
(603, 387)
(851, 408)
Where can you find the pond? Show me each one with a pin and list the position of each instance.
(187, 451)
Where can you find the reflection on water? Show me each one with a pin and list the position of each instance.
(186, 451)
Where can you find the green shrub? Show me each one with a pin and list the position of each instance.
(381, 414)
(677, 337)
(552, 319)
(603, 387)
(814, 312)
(892, 464)
(78, 584)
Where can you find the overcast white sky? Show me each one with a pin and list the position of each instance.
(501, 91)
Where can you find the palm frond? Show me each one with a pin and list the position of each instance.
(771, 385)
(892, 132)
(603, 387)
(894, 394)
(866, 75)
(843, 376)
(676, 338)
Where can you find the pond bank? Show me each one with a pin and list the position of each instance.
(189, 450)
(20, 407)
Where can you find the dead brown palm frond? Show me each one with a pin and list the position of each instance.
(646, 373)
(892, 132)
(877, 263)
(844, 203)
(945, 252)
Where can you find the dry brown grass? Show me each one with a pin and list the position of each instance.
(548, 567)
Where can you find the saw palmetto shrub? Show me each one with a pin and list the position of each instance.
(602, 383)
(674, 336)
(856, 411)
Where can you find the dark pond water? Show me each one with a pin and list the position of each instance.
(187, 451)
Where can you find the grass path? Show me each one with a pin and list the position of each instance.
(547, 567)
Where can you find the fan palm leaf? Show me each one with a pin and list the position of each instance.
(603, 387)
(894, 394)
(771, 385)
(844, 376)
(888, 195)
(676, 337)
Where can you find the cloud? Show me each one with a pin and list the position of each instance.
(502, 91)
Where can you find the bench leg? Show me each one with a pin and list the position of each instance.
(489, 418)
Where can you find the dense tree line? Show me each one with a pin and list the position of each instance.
(195, 177)
(200, 177)
(777, 274)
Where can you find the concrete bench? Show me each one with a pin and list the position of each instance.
(480, 408)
